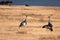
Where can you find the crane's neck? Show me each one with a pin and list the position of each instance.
(25, 19)
(48, 19)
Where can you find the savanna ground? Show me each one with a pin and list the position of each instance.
(11, 17)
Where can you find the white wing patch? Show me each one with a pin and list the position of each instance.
(24, 24)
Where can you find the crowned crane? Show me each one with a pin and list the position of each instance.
(23, 23)
(49, 25)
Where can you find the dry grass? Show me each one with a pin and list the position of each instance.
(11, 16)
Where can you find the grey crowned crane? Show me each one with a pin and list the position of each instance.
(23, 23)
(49, 25)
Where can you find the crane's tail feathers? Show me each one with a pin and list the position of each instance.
(43, 27)
(51, 29)
(20, 25)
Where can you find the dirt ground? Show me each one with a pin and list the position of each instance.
(12, 16)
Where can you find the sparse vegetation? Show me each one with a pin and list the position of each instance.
(37, 17)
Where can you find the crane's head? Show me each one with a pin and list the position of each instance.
(48, 16)
(26, 15)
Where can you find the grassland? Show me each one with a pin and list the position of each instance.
(11, 17)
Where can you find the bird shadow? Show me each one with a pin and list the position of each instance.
(20, 32)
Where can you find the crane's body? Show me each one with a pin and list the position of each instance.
(24, 22)
(49, 25)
